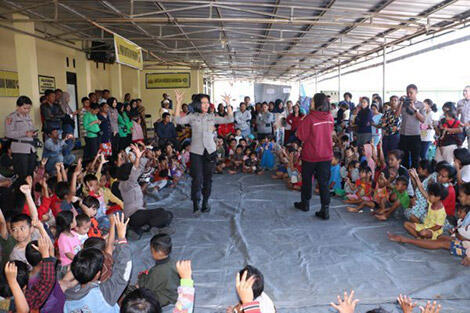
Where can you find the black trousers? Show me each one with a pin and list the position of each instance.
(321, 172)
(411, 147)
(202, 168)
(115, 145)
(162, 142)
(92, 145)
(24, 164)
(154, 218)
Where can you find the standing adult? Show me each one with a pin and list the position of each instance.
(106, 130)
(427, 127)
(390, 125)
(20, 130)
(68, 121)
(113, 119)
(264, 122)
(242, 120)
(293, 120)
(363, 122)
(315, 132)
(91, 123)
(166, 97)
(51, 112)
(203, 149)
(463, 110)
(348, 100)
(280, 116)
(376, 117)
(412, 114)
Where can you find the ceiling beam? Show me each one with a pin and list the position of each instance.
(204, 20)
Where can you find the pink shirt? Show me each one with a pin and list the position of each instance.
(137, 132)
(68, 243)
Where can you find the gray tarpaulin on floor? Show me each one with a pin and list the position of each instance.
(305, 262)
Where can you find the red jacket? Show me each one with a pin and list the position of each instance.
(315, 132)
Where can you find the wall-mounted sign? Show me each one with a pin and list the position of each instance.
(9, 84)
(46, 82)
(128, 53)
(167, 80)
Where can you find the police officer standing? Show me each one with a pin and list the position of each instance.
(202, 155)
(19, 129)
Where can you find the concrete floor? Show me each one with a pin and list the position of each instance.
(305, 262)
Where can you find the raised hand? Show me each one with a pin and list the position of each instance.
(184, 269)
(346, 305)
(42, 247)
(138, 153)
(245, 287)
(43, 162)
(430, 308)
(406, 303)
(78, 168)
(11, 271)
(26, 189)
(121, 225)
(179, 96)
(226, 98)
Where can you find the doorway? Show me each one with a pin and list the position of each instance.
(72, 90)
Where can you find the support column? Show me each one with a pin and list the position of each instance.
(316, 83)
(384, 66)
(339, 81)
(27, 65)
(83, 75)
(116, 81)
(139, 89)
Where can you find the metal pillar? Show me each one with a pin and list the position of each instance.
(339, 82)
(384, 66)
(316, 83)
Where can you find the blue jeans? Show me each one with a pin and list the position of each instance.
(246, 132)
(51, 161)
(424, 149)
(390, 143)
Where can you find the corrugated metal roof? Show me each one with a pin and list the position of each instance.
(273, 39)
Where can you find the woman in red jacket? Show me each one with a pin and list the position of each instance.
(315, 131)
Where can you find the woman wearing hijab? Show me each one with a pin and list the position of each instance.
(279, 121)
(68, 121)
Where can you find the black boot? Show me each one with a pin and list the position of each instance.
(302, 206)
(324, 213)
(196, 208)
(205, 206)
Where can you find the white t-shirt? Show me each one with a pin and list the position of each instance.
(266, 305)
(465, 173)
(427, 130)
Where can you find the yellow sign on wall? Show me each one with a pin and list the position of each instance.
(167, 80)
(9, 84)
(127, 52)
(46, 82)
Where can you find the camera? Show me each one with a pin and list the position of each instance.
(37, 143)
(407, 104)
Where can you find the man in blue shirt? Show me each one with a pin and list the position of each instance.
(166, 131)
(58, 150)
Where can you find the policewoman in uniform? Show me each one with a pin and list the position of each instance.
(19, 129)
(202, 155)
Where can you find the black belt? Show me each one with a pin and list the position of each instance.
(22, 141)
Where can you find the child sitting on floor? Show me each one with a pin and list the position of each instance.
(362, 189)
(162, 279)
(379, 199)
(432, 226)
(398, 199)
(266, 305)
